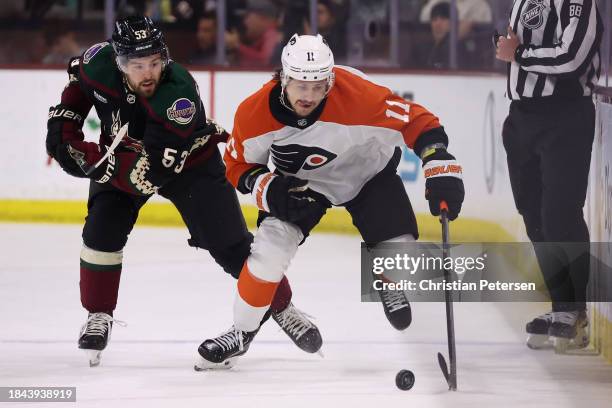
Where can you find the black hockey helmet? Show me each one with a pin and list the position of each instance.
(137, 36)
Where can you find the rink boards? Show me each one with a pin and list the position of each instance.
(471, 108)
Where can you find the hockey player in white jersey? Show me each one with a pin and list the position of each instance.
(335, 139)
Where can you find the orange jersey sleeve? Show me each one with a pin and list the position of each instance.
(252, 120)
(355, 100)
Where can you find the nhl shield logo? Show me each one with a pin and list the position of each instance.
(532, 16)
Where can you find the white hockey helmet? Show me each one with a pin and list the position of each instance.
(307, 58)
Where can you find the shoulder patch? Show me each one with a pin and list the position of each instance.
(176, 102)
(98, 69)
(182, 111)
(92, 51)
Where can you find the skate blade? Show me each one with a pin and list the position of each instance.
(94, 357)
(539, 342)
(575, 346)
(561, 345)
(205, 365)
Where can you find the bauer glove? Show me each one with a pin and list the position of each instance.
(443, 182)
(78, 157)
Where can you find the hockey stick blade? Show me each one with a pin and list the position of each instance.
(118, 138)
(444, 368)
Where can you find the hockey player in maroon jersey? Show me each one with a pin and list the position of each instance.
(167, 146)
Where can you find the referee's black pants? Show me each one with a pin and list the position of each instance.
(548, 145)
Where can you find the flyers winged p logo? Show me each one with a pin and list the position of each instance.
(292, 158)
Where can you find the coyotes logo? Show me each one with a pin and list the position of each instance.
(292, 158)
(127, 142)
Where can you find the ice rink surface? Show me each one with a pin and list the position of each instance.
(173, 297)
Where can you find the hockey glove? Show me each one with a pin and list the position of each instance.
(65, 142)
(443, 182)
(78, 158)
(217, 133)
(284, 197)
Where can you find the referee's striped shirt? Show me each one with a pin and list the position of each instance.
(558, 54)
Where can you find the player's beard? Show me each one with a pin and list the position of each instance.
(146, 88)
(304, 108)
(140, 89)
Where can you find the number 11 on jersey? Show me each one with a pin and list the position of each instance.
(393, 114)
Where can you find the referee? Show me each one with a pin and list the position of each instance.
(552, 51)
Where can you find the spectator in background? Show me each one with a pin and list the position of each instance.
(61, 43)
(293, 19)
(13, 9)
(206, 38)
(260, 35)
(183, 12)
(434, 51)
(331, 26)
(470, 12)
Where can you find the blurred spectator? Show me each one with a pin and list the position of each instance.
(206, 38)
(332, 27)
(260, 35)
(433, 52)
(12, 50)
(61, 43)
(470, 12)
(124, 8)
(330, 24)
(293, 19)
(12, 9)
(178, 11)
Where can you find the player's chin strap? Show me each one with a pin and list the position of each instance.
(283, 100)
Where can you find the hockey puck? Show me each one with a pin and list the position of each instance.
(404, 380)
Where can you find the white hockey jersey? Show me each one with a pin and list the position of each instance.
(339, 147)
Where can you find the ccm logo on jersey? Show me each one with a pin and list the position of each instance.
(442, 168)
(292, 158)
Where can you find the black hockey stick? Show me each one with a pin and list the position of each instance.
(450, 376)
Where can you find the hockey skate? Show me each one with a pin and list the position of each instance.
(569, 330)
(396, 307)
(299, 328)
(222, 352)
(95, 334)
(537, 332)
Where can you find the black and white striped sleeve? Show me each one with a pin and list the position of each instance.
(579, 41)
